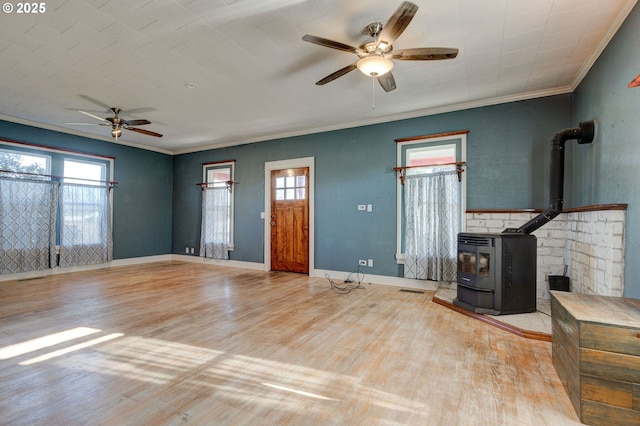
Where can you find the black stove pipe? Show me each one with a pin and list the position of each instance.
(584, 134)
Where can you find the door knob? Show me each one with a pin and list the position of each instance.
(273, 223)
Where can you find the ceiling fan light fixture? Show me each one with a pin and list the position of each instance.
(116, 133)
(375, 65)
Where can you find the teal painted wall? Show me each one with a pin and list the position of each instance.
(157, 205)
(507, 156)
(608, 170)
(142, 204)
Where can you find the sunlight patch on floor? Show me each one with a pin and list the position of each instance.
(299, 392)
(70, 349)
(234, 378)
(39, 343)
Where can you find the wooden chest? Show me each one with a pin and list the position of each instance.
(596, 352)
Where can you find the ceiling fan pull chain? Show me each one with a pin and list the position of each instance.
(373, 90)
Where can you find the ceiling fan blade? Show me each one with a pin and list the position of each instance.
(144, 131)
(92, 116)
(136, 122)
(95, 101)
(339, 73)
(396, 24)
(329, 43)
(424, 54)
(88, 124)
(387, 82)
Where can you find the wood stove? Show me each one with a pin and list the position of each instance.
(497, 272)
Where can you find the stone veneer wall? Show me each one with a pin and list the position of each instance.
(590, 241)
(595, 251)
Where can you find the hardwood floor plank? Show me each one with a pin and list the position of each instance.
(173, 343)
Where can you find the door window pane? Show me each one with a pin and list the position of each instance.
(290, 182)
(291, 194)
(291, 187)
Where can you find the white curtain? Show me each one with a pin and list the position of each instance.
(215, 235)
(85, 229)
(27, 224)
(432, 224)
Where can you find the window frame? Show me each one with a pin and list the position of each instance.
(71, 180)
(57, 157)
(11, 150)
(227, 164)
(81, 181)
(403, 146)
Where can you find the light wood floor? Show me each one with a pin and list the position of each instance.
(175, 343)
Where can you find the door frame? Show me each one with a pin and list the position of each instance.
(293, 163)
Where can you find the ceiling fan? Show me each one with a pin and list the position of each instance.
(117, 124)
(376, 55)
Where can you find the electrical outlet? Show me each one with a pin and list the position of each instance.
(370, 263)
(362, 207)
(186, 250)
(192, 250)
(362, 262)
(369, 208)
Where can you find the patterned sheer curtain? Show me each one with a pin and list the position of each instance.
(432, 224)
(27, 224)
(215, 235)
(85, 229)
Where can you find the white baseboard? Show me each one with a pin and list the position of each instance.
(219, 262)
(379, 279)
(318, 273)
(56, 271)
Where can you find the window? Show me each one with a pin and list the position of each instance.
(16, 161)
(429, 155)
(84, 172)
(85, 230)
(218, 177)
(216, 236)
(54, 198)
(291, 188)
(430, 206)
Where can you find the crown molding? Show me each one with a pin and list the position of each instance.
(80, 134)
(617, 22)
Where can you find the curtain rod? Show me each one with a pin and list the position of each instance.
(109, 183)
(229, 184)
(458, 164)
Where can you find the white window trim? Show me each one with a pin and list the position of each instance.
(223, 165)
(400, 256)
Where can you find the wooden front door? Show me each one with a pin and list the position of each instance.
(290, 220)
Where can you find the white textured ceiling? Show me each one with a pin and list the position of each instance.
(256, 76)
